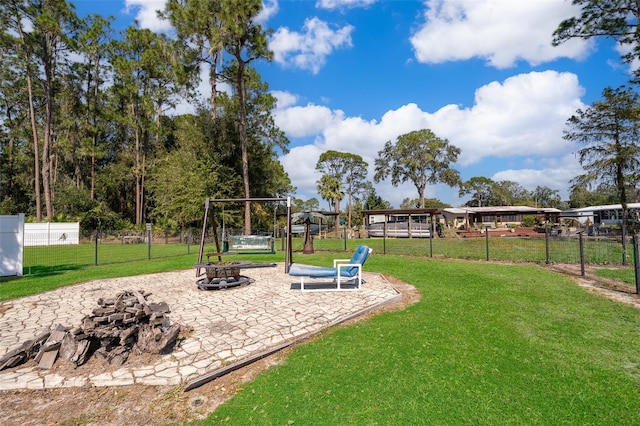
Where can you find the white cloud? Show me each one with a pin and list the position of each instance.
(298, 121)
(284, 99)
(147, 14)
(625, 49)
(521, 118)
(340, 4)
(500, 31)
(269, 9)
(300, 165)
(332, 130)
(309, 48)
(555, 175)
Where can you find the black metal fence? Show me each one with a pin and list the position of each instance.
(577, 248)
(104, 247)
(110, 247)
(101, 248)
(542, 249)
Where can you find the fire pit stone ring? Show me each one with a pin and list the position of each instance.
(222, 275)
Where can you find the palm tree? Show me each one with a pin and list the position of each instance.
(330, 189)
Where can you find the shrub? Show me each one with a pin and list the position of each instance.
(529, 221)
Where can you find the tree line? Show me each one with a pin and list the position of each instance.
(89, 130)
(88, 127)
(420, 158)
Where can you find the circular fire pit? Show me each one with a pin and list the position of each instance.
(222, 275)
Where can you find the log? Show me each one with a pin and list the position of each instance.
(141, 299)
(13, 361)
(128, 335)
(88, 324)
(24, 352)
(47, 359)
(99, 312)
(161, 307)
(118, 356)
(116, 317)
(15, 356)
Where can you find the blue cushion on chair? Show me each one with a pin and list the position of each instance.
(359, 257)
(318, 272)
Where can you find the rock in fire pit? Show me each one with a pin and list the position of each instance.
(115, 329)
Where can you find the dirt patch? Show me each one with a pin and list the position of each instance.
(145, 405)
(125, 405)
(604, 287)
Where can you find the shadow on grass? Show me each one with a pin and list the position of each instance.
(52, 270)
(9, 279)
(49, 270)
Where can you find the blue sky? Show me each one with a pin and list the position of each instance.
(350, 75)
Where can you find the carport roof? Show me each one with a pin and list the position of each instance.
(430, 210)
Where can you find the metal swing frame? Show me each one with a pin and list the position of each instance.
(209, 204)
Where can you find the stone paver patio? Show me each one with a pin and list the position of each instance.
(229, 326)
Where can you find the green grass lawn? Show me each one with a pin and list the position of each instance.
(487, 344)
(624, 275)
(40, 259)
(52, 277)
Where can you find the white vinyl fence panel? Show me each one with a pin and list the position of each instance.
(51, 233)
(11, 244)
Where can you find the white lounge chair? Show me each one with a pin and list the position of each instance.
(343, 271)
